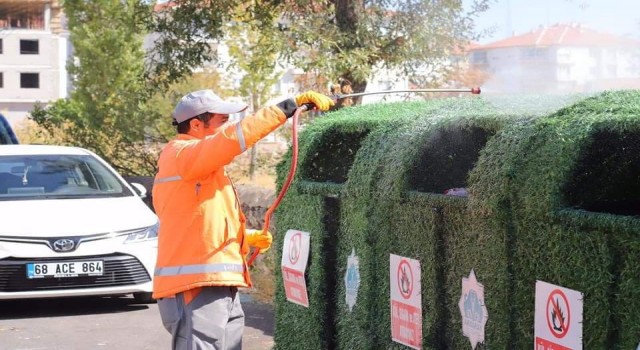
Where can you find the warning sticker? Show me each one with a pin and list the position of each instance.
(558, 318)
(295, 254)
(406, 301)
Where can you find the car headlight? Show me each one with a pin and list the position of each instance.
(149, 233)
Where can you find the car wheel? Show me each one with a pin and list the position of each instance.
(143, 298)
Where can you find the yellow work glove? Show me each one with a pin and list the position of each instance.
(321, 101)
(256, 239)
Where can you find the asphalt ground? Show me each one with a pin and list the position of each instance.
(107, 323)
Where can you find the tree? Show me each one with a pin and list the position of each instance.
(255, 48)
(349, 39)
(107, 111)
(184, 31)
(111, 110)
(123, 95)
(344, 40)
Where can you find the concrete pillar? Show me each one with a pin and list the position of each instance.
(47, 17)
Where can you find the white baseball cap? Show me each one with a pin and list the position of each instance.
(198, 102)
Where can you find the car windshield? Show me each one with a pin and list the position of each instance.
(57, 176)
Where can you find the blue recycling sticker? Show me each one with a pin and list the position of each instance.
(352, 280)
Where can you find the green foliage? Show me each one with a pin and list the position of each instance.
(106, 112)
(116, 109)
(552, 197)
(255, 48)
(348, 39)
(344, 39)
(184, 34)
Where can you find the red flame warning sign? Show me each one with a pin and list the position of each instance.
(558, 318)
(406, 301)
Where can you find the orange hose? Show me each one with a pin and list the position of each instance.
(287, 183)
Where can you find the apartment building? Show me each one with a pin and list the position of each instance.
(34, 47)
(562, 58)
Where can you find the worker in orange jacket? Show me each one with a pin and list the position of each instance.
(203, 242)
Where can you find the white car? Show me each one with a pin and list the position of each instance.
(70, 225)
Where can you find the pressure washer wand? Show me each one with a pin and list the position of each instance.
(475, 91)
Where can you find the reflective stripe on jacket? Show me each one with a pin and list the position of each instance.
(200, 242)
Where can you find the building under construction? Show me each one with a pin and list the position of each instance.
(34, 49)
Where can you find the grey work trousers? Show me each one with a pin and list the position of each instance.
(213, 320)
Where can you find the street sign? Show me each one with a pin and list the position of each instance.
(558, 318)
(295, 253)
(406, 301)
(473, 309)
(352, 280)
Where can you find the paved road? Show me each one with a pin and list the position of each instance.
(105, 324)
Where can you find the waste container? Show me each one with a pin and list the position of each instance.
(328, 148)
(569, 184)
(602, 197)
(427, 213)
(358, 287)
(427, 219)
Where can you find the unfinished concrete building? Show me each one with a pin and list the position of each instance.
(34, 48)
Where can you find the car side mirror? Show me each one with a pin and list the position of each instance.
(140, 190)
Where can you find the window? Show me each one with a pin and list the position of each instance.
(57, 176)
(564, 55)
(534, 53)
(480, 57)
(385, 84)
(564, 71)
(29, 47)
(29, 80)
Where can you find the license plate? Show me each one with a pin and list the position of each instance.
(65, 269)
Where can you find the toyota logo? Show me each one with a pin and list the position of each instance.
(64, 245)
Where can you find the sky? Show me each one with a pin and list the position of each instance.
(620, 17)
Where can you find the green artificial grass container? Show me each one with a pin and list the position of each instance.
(360, 233)
(420, 222)
(371, 182)
(569, 185)
(314, 204)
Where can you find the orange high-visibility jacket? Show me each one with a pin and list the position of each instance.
(201, 238)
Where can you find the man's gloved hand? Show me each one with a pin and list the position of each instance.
(321, 101)
(256, 239)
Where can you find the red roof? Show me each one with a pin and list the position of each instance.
(562, 35)
(160, 6)
(463, 50)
